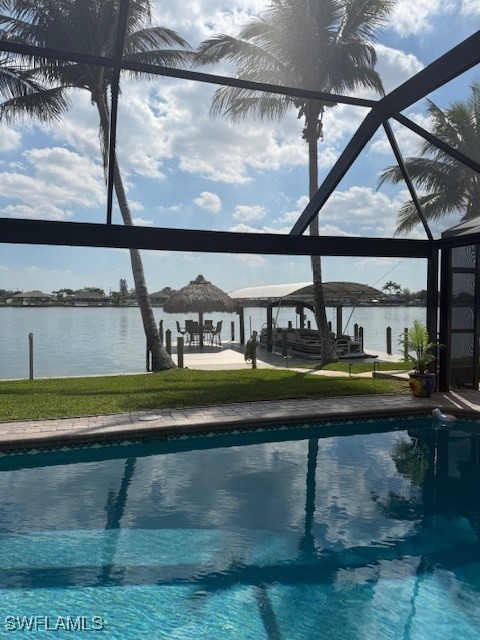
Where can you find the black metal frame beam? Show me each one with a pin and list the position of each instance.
(83, 234)
(455, 62)
(353, 149)
(458, 155)
(406, 177)
(459, 241)
(182, 74)
(112, 141)
(452, 64)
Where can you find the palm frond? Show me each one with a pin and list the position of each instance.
(152, 39)
(240, 104)
(435, 207)
(45, 106)
(364, 18)
(241, 52)
(177, 58)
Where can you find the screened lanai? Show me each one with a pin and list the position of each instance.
(374, 122)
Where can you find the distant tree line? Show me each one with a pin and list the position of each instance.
(124, 296)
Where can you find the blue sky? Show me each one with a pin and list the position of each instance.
(183, 169)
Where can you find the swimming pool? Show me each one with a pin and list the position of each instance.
(277, 534)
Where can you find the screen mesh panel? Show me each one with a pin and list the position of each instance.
(464, 257)
(464, 343)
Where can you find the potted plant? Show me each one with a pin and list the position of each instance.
(418, 349)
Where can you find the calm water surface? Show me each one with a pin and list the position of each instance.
(359, 537)
(85, 341)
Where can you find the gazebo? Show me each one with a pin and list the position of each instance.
(199, 296)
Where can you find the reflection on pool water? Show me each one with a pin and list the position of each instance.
(275, 534)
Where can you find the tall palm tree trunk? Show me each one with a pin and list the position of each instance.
(160, 358)
(311, 134)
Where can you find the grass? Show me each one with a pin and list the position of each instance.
(67, 397)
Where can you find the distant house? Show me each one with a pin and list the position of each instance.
(30, 298)
(158, 298)
(89, 299)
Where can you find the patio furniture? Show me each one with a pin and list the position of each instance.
(192, 331)
(216, 334)
(179, 329)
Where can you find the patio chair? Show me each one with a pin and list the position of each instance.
(192, 331)
(179, 329)
(207, 329)
(216, 333)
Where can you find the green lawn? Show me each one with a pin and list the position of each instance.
(66, 397)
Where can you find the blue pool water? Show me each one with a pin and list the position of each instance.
(275, 535)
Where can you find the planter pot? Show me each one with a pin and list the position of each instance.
(422, 384)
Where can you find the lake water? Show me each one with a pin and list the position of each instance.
(84, 341)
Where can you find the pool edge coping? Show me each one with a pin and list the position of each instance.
(147, 426)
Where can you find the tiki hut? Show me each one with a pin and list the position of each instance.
(199, 297)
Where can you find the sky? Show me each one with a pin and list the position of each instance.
(185, 169)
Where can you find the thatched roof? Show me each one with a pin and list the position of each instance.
(200, 296)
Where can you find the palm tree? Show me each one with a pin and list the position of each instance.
(391, 286)
(449, 186)
(325, 46)
(25, 95)
(89, 26)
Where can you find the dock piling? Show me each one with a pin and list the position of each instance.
(180, 352)
(389, 341)
(30, 355)
(254, 351)
(168, 341)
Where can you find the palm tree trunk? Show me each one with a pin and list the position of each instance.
(160, 358)
(311, 133)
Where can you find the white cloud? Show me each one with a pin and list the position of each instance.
(209, 202)
(9, 138)
(251, 260)
(396, 66)
(199, 20)
(79, 126)
(169, 120)
(302, 202)
(470, 7)
(172, 208)
(332, 230)
(249, 213)
(44, 211)
(140, 222)
(290, 217)
(362, 211)
(32, 269)
(134, 205)
(55, 175)
(415, 18)
(375, 262)
(244, 228)
(408, 141)
(2, 268)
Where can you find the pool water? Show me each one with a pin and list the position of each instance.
(276, 535)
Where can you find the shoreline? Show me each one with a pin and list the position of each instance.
(332, 305)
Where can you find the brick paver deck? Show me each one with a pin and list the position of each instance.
(19, 435)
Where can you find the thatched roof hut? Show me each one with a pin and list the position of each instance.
(199, 296)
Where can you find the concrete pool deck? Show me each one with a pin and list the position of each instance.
(147, 424)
